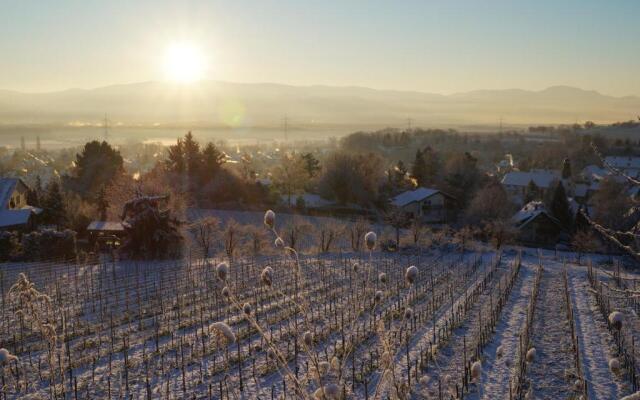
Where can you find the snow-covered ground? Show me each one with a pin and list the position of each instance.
(142, 330)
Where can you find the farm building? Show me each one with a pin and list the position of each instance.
(15, 213)
(430, 205)
(536, 226)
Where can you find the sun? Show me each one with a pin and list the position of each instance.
(183, 62)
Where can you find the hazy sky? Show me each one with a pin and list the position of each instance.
(434, 46)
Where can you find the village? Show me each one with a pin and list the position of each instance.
(496, 197)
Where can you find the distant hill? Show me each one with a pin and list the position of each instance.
(264, 104)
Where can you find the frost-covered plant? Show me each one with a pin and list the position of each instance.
(370, 240)
(266, 276)
(411, 274)
(614, 365)
(476, 370)
(531, 355)
(616, 319)
(222, 271)
(499, 351)
(6, 357)
(224, 331)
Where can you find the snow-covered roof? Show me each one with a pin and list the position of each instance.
(542, 178)
(621, 162)
(411, 196)
(530, 212)
(14, 217)
(105, 226)
(7, 186)
(593, 172)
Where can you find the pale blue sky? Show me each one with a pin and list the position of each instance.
(433, 46)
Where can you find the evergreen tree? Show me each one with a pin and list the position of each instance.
(103, 204)
(54, 209)
(34, 194)
(192, 155)
(559, 206)
(97, 165)
(212, 159)
(419, 168)
(311, 164)
(566, 169)
(532, 192)
(175, 158)
(432, 163)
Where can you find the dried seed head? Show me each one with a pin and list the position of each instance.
(267, 276)
(271, 354)
(382, 277)
(499, 351)
(224, 330)
(323, 368)
(370, 240)
(379, 296)
(578, 385)
(614, 365)
(408, 313)
(616, 319)
(355, 267)
(531, 354)
(476, 370)
(225, 291)
(307, 338)
(331, 391)
(246, 308)
(6, 357)
(411, 274)
(222, 270)
(279, 243)
(335, 364)
(270, 219)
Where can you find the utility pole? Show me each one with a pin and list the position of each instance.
(38, 148)
(23, 146)
(286, 127)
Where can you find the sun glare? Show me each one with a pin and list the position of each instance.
(183, 63)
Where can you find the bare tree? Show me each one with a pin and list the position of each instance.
(417, 230)
(231, 237)
(398, 220)
(256, 238)
(204, 232)
(357, 230)
(500, 232)
(328, 232)
(628, 240)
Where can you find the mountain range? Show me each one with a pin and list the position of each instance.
(215, 103)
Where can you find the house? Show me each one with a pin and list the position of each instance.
(15, 213)
(106, 234)
(629, 165)
(516, 182)
(536, 226)
(430, 205)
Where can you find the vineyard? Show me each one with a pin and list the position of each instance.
(437, 324)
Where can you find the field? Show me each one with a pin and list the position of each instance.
(327, 326)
